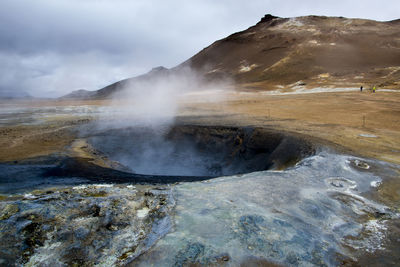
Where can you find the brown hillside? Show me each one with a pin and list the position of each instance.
(320, 51)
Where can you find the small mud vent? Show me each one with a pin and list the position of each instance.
(201, 151)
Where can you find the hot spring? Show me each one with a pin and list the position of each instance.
(203, 151)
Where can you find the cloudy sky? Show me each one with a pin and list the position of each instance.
(51, 47)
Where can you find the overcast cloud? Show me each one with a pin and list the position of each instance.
(51, 47)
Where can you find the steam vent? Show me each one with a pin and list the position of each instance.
(200, 151)
(184, 153)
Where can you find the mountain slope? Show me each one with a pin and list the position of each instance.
(280, 53)
(317, 50)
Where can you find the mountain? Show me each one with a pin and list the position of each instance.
(9, 94)
(318, 51)
(81, 94)
(110, 90)
(310, 51)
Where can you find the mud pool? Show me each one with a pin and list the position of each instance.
(203, 151)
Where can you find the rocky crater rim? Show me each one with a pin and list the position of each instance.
(199, 151)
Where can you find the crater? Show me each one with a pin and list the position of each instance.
(199, 151)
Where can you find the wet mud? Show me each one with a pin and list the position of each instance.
(208, 151)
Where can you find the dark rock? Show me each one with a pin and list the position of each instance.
(268, 18)
(95, 210)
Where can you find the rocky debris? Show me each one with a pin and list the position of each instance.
(90, 224)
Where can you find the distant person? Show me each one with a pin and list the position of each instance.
(361, 88)
(373, 89)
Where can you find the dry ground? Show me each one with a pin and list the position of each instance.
(366, 123)
(334, 118)
(18, 142)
